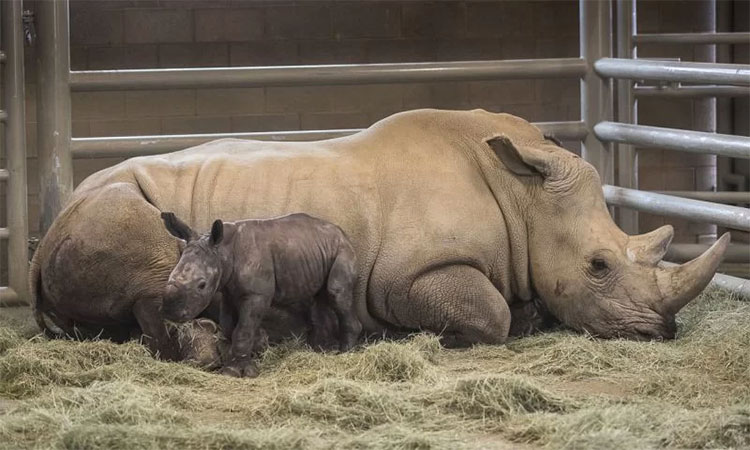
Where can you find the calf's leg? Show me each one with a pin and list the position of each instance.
(250, 312)
(340, 287)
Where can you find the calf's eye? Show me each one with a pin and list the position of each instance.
(202, 285)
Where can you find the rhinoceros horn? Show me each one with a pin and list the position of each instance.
(680, 284)
(651, 247)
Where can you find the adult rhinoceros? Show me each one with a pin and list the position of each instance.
(455, 216)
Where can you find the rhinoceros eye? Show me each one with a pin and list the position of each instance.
(599, 266)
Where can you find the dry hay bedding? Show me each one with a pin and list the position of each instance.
(556, 390)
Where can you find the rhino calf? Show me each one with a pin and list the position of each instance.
(256, 264)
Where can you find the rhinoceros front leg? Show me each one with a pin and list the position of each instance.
(461, 304)
(154, 330)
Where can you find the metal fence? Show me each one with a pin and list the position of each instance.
(14, 143)
(596, 67)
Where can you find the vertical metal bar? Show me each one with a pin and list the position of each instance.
(53, 109)
(15, 145)
(595, 28)
(704, 118)
(627, 157)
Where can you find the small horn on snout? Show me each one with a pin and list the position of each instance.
(650, 248)
(680, 284)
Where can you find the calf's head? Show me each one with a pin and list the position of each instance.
(592, 276)
(196, 277)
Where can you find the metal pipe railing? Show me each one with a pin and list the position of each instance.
(666, 205)
(692, 38)
(130, 146)
(15, 147)
(691, 91)
(8, 296)
(689, 72)
(226, 77)
(716, 197)
(674, 139)
(735, 253)
(738, 286)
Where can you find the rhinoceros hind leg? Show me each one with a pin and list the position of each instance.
(461, 304)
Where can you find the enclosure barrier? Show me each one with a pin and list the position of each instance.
(15, 153)
(716, 197)
(690, 91)
(130, 146)
(690, 72)
(597, 128)
(667, 205)
(680, 253)
(673, 139)
(738, 286)
(338, 74)
(691, 38)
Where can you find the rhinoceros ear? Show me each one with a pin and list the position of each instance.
(217, 232)
(178, 228)
(523, 161)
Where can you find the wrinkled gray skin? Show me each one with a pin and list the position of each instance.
(456, 218)
(256, 264)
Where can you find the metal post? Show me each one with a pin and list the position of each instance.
(15, 146)
(53, 109)
(596, 93)
(627, 156)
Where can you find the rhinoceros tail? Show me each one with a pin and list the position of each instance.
(35, 289)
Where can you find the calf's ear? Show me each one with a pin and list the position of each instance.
(217, 232)
(178, 228)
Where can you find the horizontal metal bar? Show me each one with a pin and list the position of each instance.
(4, 233)
(674, 139)
(2, 57)
(4, 174)
(3, 115)
(130, 146)
(691, 91)
(716, 197)
(667, 205)
(313, 75)
(692, 38)
(690, 72)
(8, 297)
(679, 253)
(736, 285)
(564, 130)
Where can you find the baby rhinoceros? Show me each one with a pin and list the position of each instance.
(256, 264)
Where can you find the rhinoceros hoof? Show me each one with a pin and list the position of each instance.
(243, 371)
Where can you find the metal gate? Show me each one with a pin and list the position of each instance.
(14, 151)
(597, 129)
